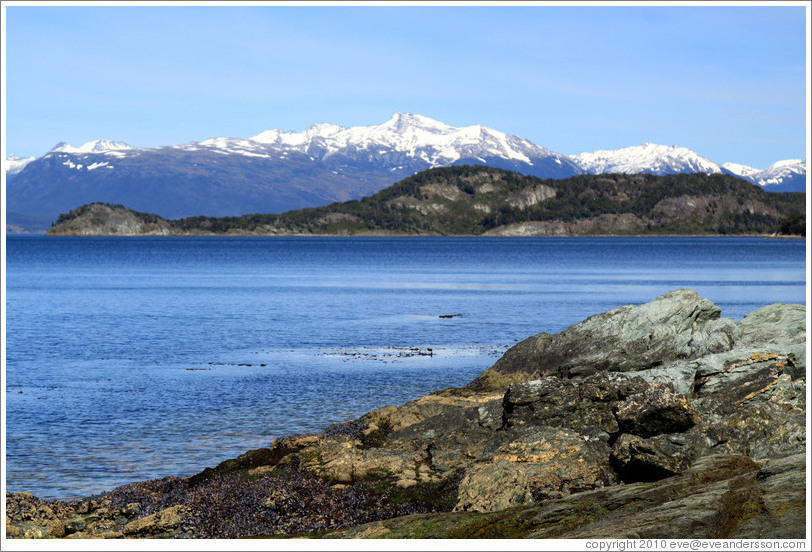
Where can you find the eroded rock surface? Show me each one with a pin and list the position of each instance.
(720, 496)
(656, 420)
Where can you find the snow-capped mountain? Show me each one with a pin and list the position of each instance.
(778, 172)
(783, 176)
(277, 170)
(787, 175)
(742, 171)
(95, 146)
(15, 164)
(646, 158)
(433, 142)
(404, 140)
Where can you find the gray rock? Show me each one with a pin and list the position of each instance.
(655, 411)
(781, 509)
(679, 375)
(675, 326)
(490, 415)
(638, 459)
(584, 405)
(778, 323)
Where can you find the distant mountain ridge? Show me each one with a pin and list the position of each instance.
(96, 146)
(15, 164)
(276, 171)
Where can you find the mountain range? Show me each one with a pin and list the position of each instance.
(277, 171)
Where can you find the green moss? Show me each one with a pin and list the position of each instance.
(376, 438)
(742, 502)
(578, 519)
(506, 524)
(426, 530)
(378, 474)
(249, 460)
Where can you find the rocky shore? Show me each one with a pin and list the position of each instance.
(661, 420)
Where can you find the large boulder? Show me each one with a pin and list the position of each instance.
(677, 325)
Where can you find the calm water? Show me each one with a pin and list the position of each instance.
(136, 358)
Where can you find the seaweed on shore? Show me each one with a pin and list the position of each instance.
(283, 502)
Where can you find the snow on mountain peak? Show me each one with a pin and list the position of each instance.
(433, 143)
(645, 158)
(15, 164)
(324, 129)
(94, 146)
(419, 137)
(400, 122)
(787, 163)
(780, 172)
(744, 171)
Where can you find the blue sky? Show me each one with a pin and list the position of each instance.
(728, 82)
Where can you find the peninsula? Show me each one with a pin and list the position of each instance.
(485, 201)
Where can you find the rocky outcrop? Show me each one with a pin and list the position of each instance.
(609, 224)
(102, 219)
(720, 496)
(657, 420)
(679, 325)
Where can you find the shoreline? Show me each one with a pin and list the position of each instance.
(533, 433)
(391, 235)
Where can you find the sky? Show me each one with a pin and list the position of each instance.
(728, 81)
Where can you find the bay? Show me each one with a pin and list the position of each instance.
(136, 358)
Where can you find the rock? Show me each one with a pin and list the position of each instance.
(774, 324)
(721, 371)
(33, 533)
(677, 325)
(491, 414)
(75, 525)
(132, 509)
(83, 507)
(54, 528)
(637, 459)
(163, 522)
(708, 501)
(720, 496)
(657, 410)
(768, 424)
(535, 465)
(680, 376)
(781, 508)
(98, 526)
(494, 486)
(584, 405)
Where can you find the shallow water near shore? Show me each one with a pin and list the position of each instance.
(137, 358)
